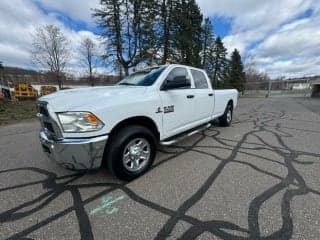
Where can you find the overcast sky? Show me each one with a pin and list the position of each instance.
(281, 36)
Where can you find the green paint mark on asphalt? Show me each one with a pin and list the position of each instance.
(106, 203)
(112, 211)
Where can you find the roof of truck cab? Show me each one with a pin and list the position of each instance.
(166, 65)
(182, 65)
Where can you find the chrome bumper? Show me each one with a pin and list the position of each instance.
(75, 154)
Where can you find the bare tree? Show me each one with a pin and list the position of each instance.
(51, 50)
(255, 79)
(89, 57)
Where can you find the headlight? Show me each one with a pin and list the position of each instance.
(79, 122)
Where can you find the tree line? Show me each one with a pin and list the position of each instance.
(140, 32)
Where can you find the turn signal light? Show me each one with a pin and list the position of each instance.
(92, 119)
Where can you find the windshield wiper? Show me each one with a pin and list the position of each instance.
(127, 84)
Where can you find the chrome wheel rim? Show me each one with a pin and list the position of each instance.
(136, 154)
(229, 116)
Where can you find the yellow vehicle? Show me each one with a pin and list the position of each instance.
(45, 90)
(25, 91)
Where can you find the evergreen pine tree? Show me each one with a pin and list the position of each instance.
(149, 40)
(218, 61)
(236, 73)
(207, 44)
(166, 27)
(224, 83)
(187, 31)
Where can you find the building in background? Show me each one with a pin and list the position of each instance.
(315, 84)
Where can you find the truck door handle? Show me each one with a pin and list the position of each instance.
(190, 96)
(210, 94)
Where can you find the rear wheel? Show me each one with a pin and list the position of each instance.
(131, 152)
(226, 119)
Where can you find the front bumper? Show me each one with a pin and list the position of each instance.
(75, 154)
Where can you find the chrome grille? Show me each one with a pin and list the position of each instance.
(48, 126)
(42, 109)
(47, 123)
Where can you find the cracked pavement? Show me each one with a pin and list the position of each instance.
(258, 179)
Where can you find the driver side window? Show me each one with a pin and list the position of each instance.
(179, 75)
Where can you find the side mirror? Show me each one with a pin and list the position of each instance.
(177, 82)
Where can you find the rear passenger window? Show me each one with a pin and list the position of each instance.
(200, 80)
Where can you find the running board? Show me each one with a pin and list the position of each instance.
(182, 136)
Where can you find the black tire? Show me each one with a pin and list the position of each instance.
(116, 147)
(226, 119)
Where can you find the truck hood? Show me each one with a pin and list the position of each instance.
(70, 100)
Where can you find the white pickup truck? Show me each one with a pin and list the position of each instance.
(120, 126)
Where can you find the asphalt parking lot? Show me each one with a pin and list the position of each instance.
(259, 179)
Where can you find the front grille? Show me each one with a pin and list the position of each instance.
(42, 108)
(48, 124)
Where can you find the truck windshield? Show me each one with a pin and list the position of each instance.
(142, 78)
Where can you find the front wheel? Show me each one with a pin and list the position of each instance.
(226, 119)
(131, 152)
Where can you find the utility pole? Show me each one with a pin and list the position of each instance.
(307, 87)
(269, 90)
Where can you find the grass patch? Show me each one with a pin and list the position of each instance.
(16, 112)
